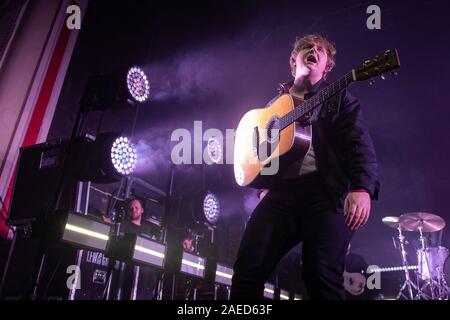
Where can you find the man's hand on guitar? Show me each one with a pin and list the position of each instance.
(357, 209)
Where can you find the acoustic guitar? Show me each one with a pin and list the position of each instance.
(269, 139)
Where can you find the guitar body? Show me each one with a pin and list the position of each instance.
(257, 148)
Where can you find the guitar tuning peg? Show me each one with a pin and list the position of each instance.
(383, 77)
(395, 73)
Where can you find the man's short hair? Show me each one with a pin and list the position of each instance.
(131, 199)
(313, 38)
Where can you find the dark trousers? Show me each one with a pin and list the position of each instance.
(298, 211)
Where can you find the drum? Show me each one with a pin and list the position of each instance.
(431, 262)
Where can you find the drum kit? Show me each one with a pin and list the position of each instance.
(429, 283)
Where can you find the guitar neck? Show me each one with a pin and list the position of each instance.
(316, 100)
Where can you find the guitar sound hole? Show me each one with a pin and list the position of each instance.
(266, 148)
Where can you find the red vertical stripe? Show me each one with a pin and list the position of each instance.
(40, 108)
(47, 88)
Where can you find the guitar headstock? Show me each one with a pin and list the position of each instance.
(381, 64)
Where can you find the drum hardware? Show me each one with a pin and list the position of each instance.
(431, 270)
(428, 281)
(408, 283)
(431, 260)
(434, 286)
(393, 222)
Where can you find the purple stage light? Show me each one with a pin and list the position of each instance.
(138, 85)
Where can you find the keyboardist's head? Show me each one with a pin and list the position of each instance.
(135, 210)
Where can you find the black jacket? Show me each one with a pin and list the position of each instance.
(344, 151)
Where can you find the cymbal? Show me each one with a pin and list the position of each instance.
(429, 222)
(391, 221)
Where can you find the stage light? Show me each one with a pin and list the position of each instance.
(269, 291)
(214, 149)
(138, 85)
(110, 157)
(203, 211)
(224, 275)
(123, 155)
(193, 265)
(391, 269)
(211, 208)
(284, 295)
(149, 252)
(86, 232)
(116, 89)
